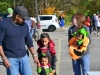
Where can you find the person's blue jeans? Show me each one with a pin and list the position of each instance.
(32, 32)
(19, 65)
(82, 63)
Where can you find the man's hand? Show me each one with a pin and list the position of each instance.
(6, 63)
(36, 61)
(4, 58)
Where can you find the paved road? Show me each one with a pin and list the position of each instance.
(64, 64)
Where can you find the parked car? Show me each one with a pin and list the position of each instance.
(49, 22)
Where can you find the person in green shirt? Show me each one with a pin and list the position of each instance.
(44, 68)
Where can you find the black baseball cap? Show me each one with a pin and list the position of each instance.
(21, 10)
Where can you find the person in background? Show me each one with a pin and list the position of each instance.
(98, 26)
(14, 34)
(93, 22)
(96, 20)
(89, 23)
(83, 62)
(32, 18)
(61, 22)
(32, 25)
(38, 24)
(10, 12)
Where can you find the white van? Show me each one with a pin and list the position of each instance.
(49, 22)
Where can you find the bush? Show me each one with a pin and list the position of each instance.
(3, 7)
(68, 19)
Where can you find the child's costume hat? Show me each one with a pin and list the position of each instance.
(10, 10)
(81, 31)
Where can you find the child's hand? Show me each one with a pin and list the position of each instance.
(38, 64)
(54, 71)
(51, 73)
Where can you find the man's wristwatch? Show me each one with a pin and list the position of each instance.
(34, 55)
(4, 58)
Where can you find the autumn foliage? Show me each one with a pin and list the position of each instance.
(49, 10)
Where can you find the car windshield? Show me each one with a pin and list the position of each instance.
(45, 17)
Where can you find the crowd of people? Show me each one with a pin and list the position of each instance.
(96, 23)
(93, 23)
(16, 33)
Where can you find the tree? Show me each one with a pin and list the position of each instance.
(3, 7)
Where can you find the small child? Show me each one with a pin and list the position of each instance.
(44, 67)
(46, 45)
(78, 44)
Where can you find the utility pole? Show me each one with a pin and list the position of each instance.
(14, 3)
(36, 8)
(22, 3)
(37, 18)
(44, 6)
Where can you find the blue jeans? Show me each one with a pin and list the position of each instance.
(19, 65)
(84, 63)
(32, 32)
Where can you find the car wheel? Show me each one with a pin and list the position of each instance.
(51, 28)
